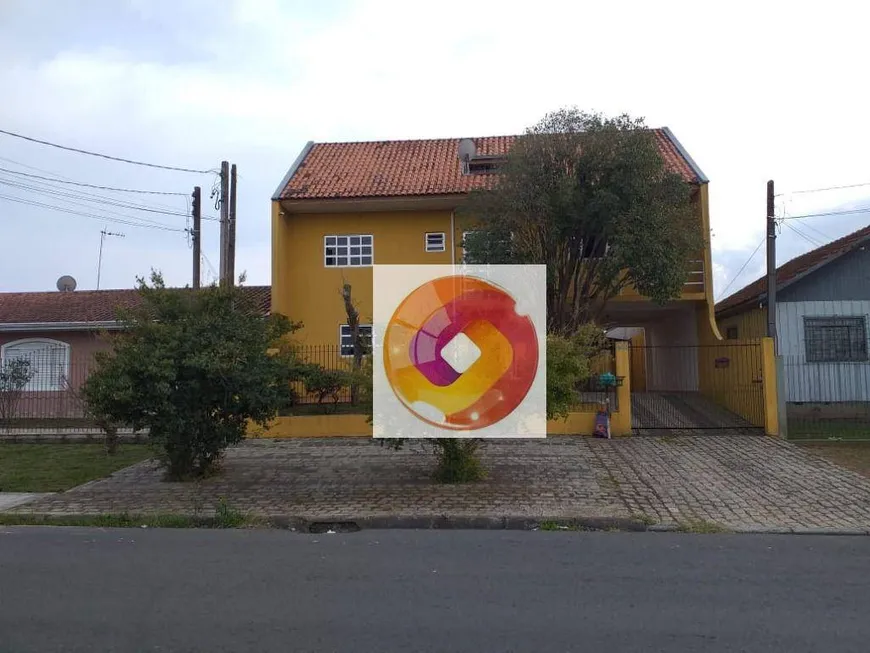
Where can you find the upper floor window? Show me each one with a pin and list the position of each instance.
(348, 251)
(483, 165)
(47, 362)
(732, 333)
(835, 339)
(435, 242)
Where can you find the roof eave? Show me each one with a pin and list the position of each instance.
(292, 171)
(702, 178)
(59, 326)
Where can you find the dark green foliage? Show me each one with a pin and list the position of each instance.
(14, 375)
(591, 198)
(458, 460)
(325, 383)
(193, 368)
(569, 362)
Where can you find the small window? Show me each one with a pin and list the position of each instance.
(48, 362)
(435, 242)
(835, 339)
(732, 333)
(483, 165)
(346, 338)
(348, 251)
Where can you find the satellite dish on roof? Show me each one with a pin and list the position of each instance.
(467, 149)
(66, 283)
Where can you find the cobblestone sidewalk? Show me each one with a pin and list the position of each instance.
(738, 482)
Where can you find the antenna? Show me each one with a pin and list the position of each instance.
(66, 283)
(103, 235)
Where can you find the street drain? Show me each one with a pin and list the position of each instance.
(333, 527)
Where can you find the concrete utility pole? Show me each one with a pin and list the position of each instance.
(771, 265)
(231, 240)
(225, 213)
(196, 234)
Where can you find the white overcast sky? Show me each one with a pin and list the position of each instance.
(754, 91)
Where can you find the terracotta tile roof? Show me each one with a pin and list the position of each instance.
(88, 305)
(787, 272)
(413, 168)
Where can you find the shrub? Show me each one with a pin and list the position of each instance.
(192, 367)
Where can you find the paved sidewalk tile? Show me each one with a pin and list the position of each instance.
(13, 499)
(738, 482)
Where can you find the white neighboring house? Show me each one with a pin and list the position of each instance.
(822, 320)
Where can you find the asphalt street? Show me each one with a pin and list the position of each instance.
(125, 590)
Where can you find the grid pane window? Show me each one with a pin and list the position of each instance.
(835, 339)
(344, 251)
(435, 242)
(346, 338)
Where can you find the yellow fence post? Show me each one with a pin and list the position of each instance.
(621, 420)
(768, 378)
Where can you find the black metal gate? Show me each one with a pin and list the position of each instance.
(697, 388)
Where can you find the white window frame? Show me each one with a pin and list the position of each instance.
(348, 249)
(436, 247)
(37, 383)
(341, 337)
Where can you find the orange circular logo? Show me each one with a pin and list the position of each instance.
(457, 355)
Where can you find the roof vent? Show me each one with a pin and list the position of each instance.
(66, 283)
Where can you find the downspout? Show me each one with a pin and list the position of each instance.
(453, 237)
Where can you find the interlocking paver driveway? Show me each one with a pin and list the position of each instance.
(736, 481)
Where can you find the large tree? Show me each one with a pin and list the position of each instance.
(592, 198)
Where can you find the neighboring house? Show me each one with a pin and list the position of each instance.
(343, 207)
(822, 309)
(59, 332)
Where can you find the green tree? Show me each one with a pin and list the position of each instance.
(193, 368)
(592, 198)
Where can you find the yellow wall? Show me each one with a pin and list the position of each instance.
(304, 289)
(750, 324)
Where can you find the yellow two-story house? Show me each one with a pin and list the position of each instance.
(343, 207)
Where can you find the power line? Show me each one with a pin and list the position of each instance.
(128, 220)
(829, 213)
(807, 238)
(819, 190)
(29, 167)
(96, 199)
(105, 156)
(78, 183)
(748, 261)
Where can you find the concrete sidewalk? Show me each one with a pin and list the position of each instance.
(743, 483)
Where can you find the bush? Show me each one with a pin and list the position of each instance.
(569, 363)
(458, 460)
(325, 383)
(192, 367)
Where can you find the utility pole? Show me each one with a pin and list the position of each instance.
(771, 265)
(196, 234)
(103, 235)
(231, 240)
(225, 208)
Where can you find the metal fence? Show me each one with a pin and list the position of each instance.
(43, 386)
(826, 400)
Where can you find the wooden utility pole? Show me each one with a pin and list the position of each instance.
(231, 240)
(196, 233)
(771, 264)
(225, 213)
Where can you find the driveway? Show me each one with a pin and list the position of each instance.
(738, 482)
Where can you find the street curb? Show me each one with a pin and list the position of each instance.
(333, 524)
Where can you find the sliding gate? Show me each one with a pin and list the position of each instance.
(713, 388)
